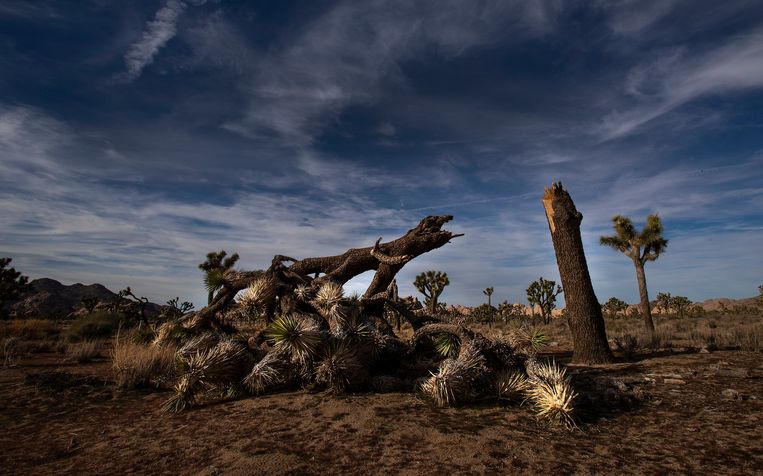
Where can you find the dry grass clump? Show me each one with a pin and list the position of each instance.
(9, 350)
(138, 365)
(30, 329)
(83, 352)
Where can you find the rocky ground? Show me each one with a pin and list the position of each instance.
(667, 412)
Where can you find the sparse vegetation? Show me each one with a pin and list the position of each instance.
(12, 284)
(138, 365)
(83, 352)
(97, 325)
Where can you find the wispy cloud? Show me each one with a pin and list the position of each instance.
(679, 77)
(156, 34)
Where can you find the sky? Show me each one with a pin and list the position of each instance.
(137, 136)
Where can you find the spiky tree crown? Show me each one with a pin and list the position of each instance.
(431, 283)
(644, 245)
(488, 291)
(12, 283)
(215, 267)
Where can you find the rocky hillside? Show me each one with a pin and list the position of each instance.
(49, 298)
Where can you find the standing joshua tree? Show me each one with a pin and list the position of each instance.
(640, 247)
(431, 284)
(488, 292)
(214, 270)
(543, 294)
(583, 309)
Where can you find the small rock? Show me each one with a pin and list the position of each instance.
(704, 350)
(674, 381)
(730, 394)
(553, 344)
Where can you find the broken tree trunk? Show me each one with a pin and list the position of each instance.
(583, 309)
(385, 258)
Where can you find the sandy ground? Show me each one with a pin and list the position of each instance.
(662, 414)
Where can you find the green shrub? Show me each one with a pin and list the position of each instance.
(97, 325)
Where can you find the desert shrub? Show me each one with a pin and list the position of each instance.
(31, 329)
(83, 352)
(628, 344)
(138, 365)
(143, 335)
(98, 325)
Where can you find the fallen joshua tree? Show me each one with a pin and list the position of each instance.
(318, 338)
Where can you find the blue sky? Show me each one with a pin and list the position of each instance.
(137, 136)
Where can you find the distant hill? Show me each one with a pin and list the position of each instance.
(716, 303)
(49, 298)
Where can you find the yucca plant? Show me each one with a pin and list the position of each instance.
(298, 336)
(338, 366)
(220, 366)
(447, 345)
(255, 299)
(511, 385)
(550, 392)
(328, 300)
(530, 339)
(455, 380)
(273, 370)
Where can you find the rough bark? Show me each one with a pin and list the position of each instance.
(385, 258)
(646, 310)
(583, 309)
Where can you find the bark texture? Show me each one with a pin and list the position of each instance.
(646, 308)
(583, 309)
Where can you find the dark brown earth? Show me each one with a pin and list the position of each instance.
(663, 414)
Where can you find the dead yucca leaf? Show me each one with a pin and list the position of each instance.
(197, 344)
(273, 370)
(296, 335)
(338, 366)
(257, 296)
(218, 367)
(551, 393)
(454, 381)
(511, 385)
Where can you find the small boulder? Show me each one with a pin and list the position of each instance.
(730, 394)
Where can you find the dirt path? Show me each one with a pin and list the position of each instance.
(680, 422)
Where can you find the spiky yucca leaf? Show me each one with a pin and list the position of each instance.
(338, 366)
(447, 345)
(329, 298)
(530, 340)
(273, 370)
(553, 401)
(254, 299)
(547, 371)
(195, 345)
(296, 335)
(214, 279)
(551, 393)
(219, 366)
(454, 381)
(511, 384)
(302, 293)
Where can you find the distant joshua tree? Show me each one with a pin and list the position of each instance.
(89, 303)
(431, 284)
(614, 307)
(680, 304)
(664, 301)
(12, 284)
(543, 294)
(214, 270)
(488, 292)
(640, 247)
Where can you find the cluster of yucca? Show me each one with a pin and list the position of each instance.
(336, 347)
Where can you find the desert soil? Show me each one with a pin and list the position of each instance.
(662, 414)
